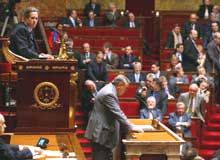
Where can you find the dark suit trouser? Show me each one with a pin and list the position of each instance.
(100, 152)
(217, 87)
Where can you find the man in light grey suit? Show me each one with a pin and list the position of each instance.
(105, 119)
(193, 102)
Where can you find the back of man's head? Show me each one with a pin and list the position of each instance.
(120, 79)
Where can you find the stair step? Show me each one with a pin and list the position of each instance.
(206, 153)
(80, 131)
(213, 127)
(215, 117)
(84, 140)
(80, 122)
(216, 109)
(79, 114)
(210, 144)
(87, 150)
(210, 135)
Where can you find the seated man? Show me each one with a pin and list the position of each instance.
(92, 6)
(136, 76)
(87, 56)
(204, 91)
(22, 41)
(111, 59)
(193, 101)
(15, 152)
(172, 90)
(144, 90)
(112, 16)
(131, 22)
(155, 69)
(127, 60)
(91, 21)
(179, 77)
(201, 76)
(205, 9)
(180, 121)
(174, 37)
(160, 95)
(72, 20)
(150, 111)
(97, 71)
(178, 52)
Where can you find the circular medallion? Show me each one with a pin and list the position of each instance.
(46, 94)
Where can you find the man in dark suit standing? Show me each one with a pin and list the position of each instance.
(205, 9)
(179, 121)
(106, 118)
(192, 24)
(22, 41)
(213, 50)
(131, 22)
(209, 36)
(91, 21)
(15, 152)
(97, 71)
(190, 53)
(137, 76)
(92, 6)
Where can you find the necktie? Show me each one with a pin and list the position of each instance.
(191, 107)
(150, 114)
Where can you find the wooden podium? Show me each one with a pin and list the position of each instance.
(46, 95)
(161, 141)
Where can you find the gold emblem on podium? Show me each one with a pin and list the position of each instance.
(46, 95)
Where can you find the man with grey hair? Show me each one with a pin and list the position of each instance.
(213, 50)
(193, 101)
(22, 41)
(180, 121)
(15, 152)
(106, 118)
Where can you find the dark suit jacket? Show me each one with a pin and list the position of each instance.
(187, 28)
(92, 56)
(86, 22)
(67, 21)
(208, 37)
(126, 24)
(174, 118)
(11, 152)
(202, 8)
(190, 56)
(144, 113)
(88, 8)
(22, 42)
(110, 19)
(131, 77)
(170, 40)
(106, 117)
(73, 53)
(161, 101)
(213, 56)
(96, 72)
(126, 61)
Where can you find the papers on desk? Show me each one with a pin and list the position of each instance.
(146, 128)
(54, 155)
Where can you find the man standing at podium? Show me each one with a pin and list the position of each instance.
(22, 41)
(15, 152)
(105, 119)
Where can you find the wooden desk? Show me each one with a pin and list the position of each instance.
(55, 139)
(161, 141)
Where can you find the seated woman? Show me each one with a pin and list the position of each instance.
(54, 38)
(174, 63)
(150, 111)
(178, 77)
